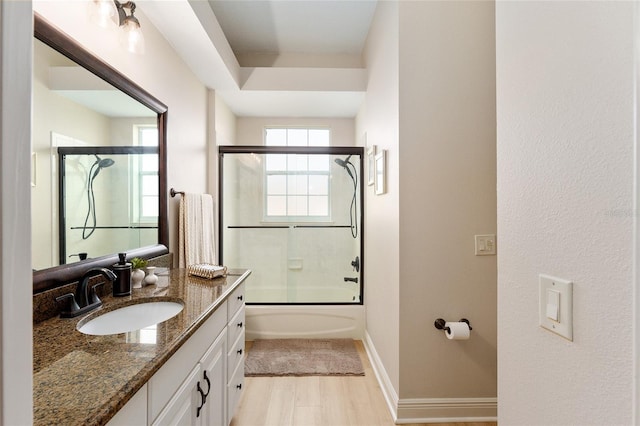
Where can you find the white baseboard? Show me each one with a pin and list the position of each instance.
(447, 410)
(429, 410)
(388, 391)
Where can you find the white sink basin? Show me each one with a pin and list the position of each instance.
(130, 318)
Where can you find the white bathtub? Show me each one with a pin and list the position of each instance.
(305, 321)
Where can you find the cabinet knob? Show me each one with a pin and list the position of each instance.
(239, 386)
(239, 351)
(240, 324)
(241, 297)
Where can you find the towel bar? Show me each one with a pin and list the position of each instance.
(173, 192)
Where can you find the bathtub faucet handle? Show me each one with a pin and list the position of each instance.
(356, 264)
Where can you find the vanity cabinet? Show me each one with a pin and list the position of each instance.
(202, 382)
(173, 390)
(235, 342)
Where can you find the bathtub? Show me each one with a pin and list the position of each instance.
(304, 321)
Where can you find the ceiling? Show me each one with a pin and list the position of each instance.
(292, 58)
(320, 27)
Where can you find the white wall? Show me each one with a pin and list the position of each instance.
(565, 97)
(162, 73)
(16, 346)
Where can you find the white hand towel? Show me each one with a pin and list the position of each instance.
(196, 239)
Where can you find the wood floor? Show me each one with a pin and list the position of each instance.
(318, 401)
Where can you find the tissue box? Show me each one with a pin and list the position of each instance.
(206, 270)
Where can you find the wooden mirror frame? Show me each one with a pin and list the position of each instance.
(56, 276)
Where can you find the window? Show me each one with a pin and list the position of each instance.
(297, 185)
(146, 201)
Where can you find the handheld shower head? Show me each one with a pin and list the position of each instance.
(102, 163)
(343, 163)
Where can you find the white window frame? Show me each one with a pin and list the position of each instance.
(137, 177)
(291, 172)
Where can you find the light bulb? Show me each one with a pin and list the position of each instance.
(103, 13)
(131, 35)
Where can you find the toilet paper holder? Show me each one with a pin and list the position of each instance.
(440, 324)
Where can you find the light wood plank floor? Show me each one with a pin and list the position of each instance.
(318, 401)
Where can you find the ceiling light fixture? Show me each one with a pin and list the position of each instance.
(109, 13)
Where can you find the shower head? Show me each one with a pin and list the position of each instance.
(106, 162)
(102, 163)
(343, 163)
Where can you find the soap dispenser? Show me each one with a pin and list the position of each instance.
(122, 284)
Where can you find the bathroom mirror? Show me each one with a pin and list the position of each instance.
(89, 106)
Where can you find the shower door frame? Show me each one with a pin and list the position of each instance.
(304, 150)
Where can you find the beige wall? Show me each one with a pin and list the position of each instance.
(161, 72)
(431, 103)
(447, 195)
(378, 119)
(566, 208)
(250, 130)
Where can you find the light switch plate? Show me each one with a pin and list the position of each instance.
(485, 245)
(549, 288)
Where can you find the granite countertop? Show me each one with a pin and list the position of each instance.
(80, 379)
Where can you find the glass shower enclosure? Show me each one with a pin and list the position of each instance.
(293, 215)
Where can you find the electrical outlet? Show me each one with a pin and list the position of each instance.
(485, 245)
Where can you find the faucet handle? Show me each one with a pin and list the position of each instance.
(71, 305)
(94, 294)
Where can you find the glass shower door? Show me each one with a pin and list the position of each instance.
(293, 216)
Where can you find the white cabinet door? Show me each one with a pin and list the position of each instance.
(181, 408)
(213, 380)
(134, 413)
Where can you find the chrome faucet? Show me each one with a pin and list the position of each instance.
(84, 300)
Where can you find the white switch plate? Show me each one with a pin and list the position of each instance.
(549, 288)
(485, 245)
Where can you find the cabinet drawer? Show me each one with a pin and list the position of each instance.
(234, 391)
(235, 301)
(235, 327)
(236, 355)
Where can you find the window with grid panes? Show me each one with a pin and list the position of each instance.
(147, 198)
(297, 185)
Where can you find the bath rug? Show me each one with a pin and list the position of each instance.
(303, 357)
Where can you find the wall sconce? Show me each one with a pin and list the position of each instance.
(111, 13)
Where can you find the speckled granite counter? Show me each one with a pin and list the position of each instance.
(84, 380)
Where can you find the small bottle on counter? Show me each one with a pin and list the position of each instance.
(122, 269)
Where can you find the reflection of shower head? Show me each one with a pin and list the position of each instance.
(102, 163)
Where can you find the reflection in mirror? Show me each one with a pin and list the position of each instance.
(108, 199)
(75, 109)
(84, 110)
